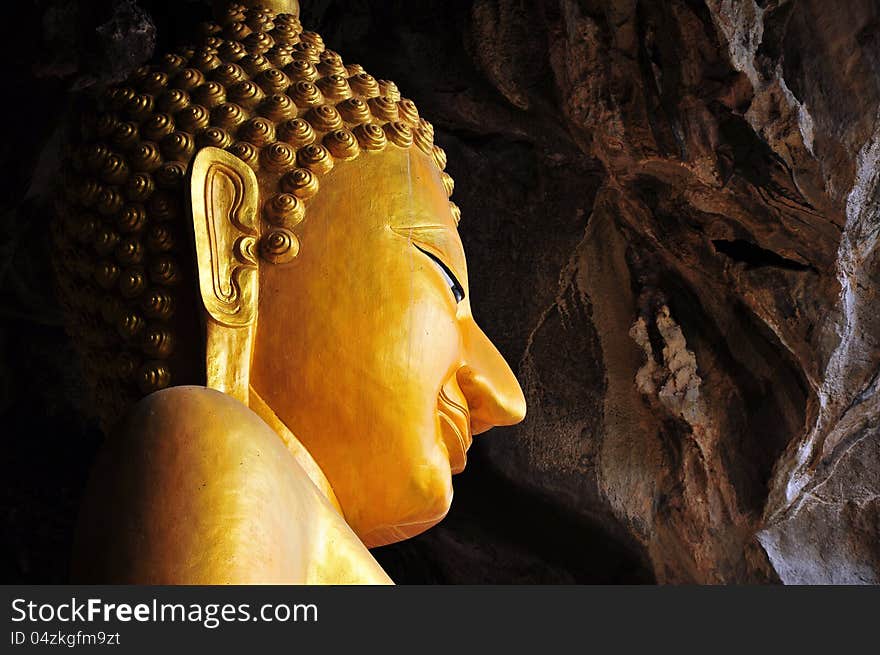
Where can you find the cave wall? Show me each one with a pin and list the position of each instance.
(670, 210)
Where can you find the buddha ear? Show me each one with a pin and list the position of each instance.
(224, 205)
(225, 222)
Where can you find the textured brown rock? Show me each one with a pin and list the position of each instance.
(671, 213)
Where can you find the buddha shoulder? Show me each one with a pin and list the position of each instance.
(205, 492)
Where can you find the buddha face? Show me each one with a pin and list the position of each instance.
(367, 349)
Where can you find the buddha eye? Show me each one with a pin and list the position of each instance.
(448, 275)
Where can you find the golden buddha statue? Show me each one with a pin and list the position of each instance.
(261, 268)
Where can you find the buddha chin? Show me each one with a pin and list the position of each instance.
(422, 497)
(394, 480)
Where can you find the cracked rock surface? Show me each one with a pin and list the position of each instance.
(672, 219)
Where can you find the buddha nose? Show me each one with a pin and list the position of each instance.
(492, 391)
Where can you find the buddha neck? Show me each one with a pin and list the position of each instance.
(294, 447)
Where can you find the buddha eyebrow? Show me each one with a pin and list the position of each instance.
(454, 284)
(442, 239)
(409, 231)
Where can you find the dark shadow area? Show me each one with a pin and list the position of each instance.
(754, 256)
(560, 546)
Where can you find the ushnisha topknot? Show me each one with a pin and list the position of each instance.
(255, 84)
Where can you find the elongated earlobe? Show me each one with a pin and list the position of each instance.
(226, 227)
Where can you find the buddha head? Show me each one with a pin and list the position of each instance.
(254, 215)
